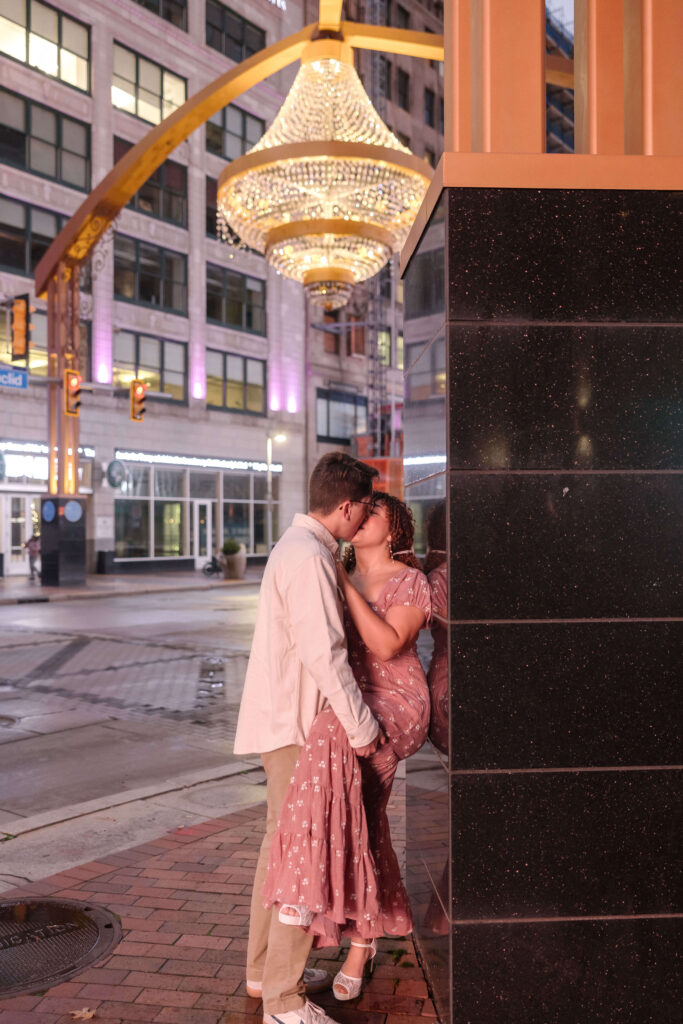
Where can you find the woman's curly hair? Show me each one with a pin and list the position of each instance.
(436, 537)
(401, 531)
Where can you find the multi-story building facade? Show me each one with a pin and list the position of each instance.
(216, 334)
(230, 350)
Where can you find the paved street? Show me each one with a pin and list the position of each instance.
(116, 721)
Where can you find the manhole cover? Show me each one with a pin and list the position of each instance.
(45, 942)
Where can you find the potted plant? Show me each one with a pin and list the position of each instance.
(233, 559)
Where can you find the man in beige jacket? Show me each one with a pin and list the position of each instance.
(298, 664)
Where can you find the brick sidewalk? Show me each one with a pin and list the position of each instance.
(184, 901)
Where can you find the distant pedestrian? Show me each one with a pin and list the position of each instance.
(32, 545)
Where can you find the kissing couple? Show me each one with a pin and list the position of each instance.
(334, 697)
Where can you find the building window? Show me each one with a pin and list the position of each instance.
(385, 77)
(44, 141)
(37, 351)
(143, 88)
(149, 274)
(340, 416)
(403, 89)
(26, 233)
(235, 300)
(430, 157)
(174, 11)
(164, 194)
(356, 337)
(231, 34)
(441, 114)
(403, 139)
(162, 364)
(46, 39)
(211, 206)
(402, 17)
(236, 383)
(428, 379)
(232, 131)
(429, 107)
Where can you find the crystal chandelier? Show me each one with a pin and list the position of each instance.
(328, 193)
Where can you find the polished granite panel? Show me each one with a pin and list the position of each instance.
(564, 255)
(549, 844)
(568, 972)
(528, 397)
(428, 867)
(562, 695)
(565, 546)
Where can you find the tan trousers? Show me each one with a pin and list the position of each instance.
(276, 953)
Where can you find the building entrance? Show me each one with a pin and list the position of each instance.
(20, 516)
(201, 532)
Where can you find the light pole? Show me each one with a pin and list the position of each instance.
(278, 438)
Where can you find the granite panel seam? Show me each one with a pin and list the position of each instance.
(474, 921)
(577, 770)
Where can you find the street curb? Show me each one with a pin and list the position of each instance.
(21, 827)
(87, 595)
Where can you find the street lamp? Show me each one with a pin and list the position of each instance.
(278, 438)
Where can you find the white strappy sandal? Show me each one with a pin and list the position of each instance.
(302, 916)
(353, 986)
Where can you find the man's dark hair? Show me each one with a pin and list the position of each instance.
(336, 478)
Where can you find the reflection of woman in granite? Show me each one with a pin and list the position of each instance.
(333, 868)
(435, 568)
(437, 676)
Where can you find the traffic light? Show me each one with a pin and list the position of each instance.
(72, 392)
(138, 391)
(21, 328)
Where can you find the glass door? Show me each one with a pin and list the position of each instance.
(21, 517)
(201, 533)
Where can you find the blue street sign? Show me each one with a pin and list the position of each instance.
(13, 378)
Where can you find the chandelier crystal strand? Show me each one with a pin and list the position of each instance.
(328, 192)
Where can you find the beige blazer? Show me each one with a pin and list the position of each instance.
(298, 660)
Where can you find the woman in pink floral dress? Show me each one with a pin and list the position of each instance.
(333, 868)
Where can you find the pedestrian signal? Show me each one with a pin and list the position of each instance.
(21, 328)
(138, 391)
(72, 392)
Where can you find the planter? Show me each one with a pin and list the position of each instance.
(234, 566)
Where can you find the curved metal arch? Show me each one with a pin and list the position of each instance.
(87, 225)
(118, 187)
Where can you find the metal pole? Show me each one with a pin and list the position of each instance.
(269, 493)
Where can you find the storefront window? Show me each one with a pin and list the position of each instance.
(136, 481)
(237, 486)
(169, 529)
(169, 483)
(132, 529)
(203, 485)
(236, 522)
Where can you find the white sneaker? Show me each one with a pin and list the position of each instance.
(315, 981)
(308, 1014)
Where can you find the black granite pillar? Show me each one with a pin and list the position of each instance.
(544, 864)
(62, 541)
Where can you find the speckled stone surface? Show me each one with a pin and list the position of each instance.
(543, 402)
(564, 256)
